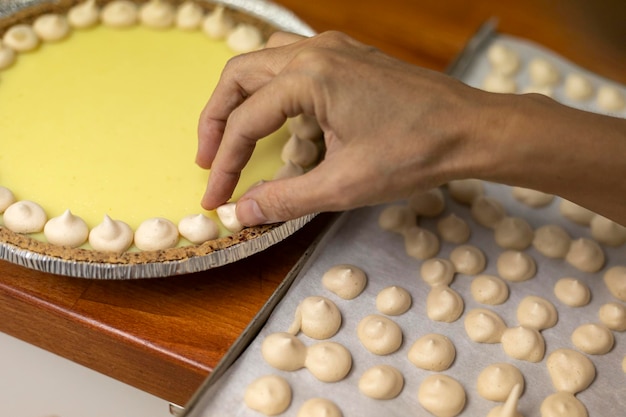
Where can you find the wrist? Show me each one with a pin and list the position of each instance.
(511, 138)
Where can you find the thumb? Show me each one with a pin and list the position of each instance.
(282, 200)
(249, 213)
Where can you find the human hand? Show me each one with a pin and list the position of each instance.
(390, 128)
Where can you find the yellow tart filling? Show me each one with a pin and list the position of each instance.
(104, 123)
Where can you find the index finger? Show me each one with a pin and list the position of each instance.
(241, 77)
(261, 114)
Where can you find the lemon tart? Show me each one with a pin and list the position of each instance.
(100, 107)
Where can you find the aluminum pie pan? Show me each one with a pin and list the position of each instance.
(190, 259)
(154, 269)
(274, 14)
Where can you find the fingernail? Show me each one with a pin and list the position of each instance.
(250, 213)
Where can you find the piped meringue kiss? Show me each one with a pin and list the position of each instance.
(382, 382)
(484, 326)
(393, 301)
(289, 170)
(428, 203)
(468, 259)
(536, 313)
(317, 317)
(189, 16)
(437, 271)
(570, 371)
(441, 395)
(84, 15)
(487, 211)
(284, 351)
(593, 339)
(21, 38)
(228, 217)
(111, 236)
(610, 98)
(516, 266)
(300, 151)
(613, 316)
(444, 304)
(379, 335)
(25, 217)
(578, 87)
(319, 407)
(503, 59)
(552, 240)
(217, 24)
(607, 231)
(198, 228)
(453, 228)
(572, 292)
(543, 72)
(615, 280)
(396, 218)
(328, 361)
(244, 38)
(496, 82)
(523, 343)
(561, 404)
(6, 198)
(466, 191)
(120, 13)
(513, 233)
(51, 27)
(576, 213)
(532, 198)
(346, 281)
(270, 395)
(433, 352)
(420, 243)
(66, 230)
(305, 127)
(489, 289)
(156, 234)
(157, 14)
(497, 380)
(586, 255)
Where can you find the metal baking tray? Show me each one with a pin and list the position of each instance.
(355, 238)
(280, 18)
(473, 70)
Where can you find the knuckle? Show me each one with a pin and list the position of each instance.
(335, 38)
(233, 63)
(311, 56)
(277, 38)
(341, 40)
(315, 62)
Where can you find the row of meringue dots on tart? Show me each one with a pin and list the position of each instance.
(28, 217)
(302, 151)
(157, 14)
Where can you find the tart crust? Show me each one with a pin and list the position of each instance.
(129, 257)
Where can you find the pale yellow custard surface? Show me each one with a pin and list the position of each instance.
(105, 122)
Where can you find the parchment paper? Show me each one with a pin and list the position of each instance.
(356, 238)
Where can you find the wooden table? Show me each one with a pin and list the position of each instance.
(164, 336)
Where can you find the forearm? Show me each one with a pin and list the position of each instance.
(534, 142)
